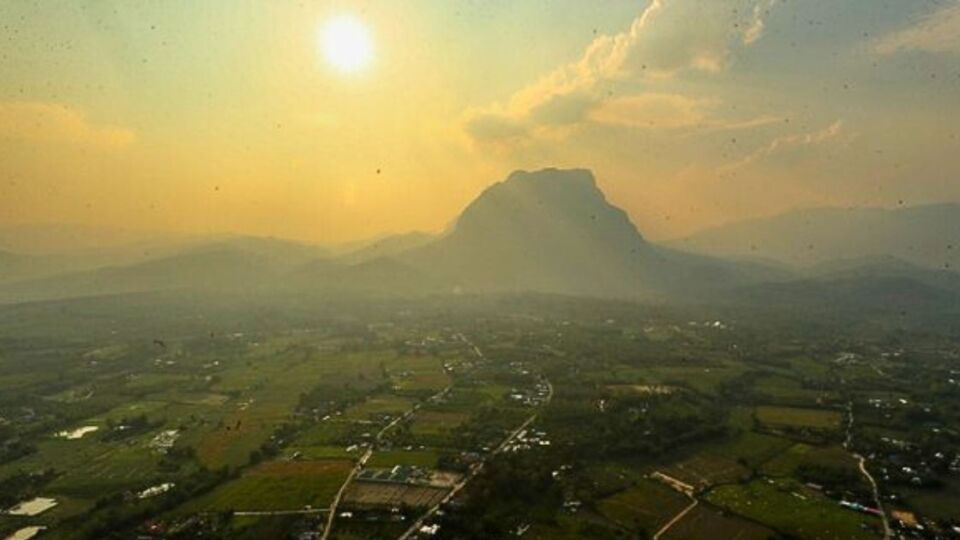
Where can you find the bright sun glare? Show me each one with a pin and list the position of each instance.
(346, 43)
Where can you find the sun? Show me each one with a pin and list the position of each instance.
(346, 43)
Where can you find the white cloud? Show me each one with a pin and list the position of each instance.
(754, 30)
(669, 38)
(789, 145)
(937, 32)
(652, 110)
(58, 123)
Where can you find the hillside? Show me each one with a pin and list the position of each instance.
(922, 235)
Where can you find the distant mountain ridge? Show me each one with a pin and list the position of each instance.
(927, 236)
(547, 231)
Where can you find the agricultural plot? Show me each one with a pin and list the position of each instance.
(199, 398)
(378, 406)
(799, 417)
(791, 508)
(472, 397)
(333, 432)
(705, 380)
(640, 389)
(58, 454)
(276, 486)
(798, 455)
(425, 459)
(362, 494)
(355, 529)
(646, 506)
(775, 389)
(153, 409)
(125, 467)
(418, 374)
(321, 452)
(573, 527)
(270, 402)
(751, 448)
(703, 522)
(707, 469)
(429, 422)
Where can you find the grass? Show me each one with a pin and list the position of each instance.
(331, 433)
(705, 380)
(750, 448)
(418, 374)
(321, 452)
(436, 422)
(703, 522)
(787, 463)
(788, 391)
(125, 467)
(270, 398)
(278, 485)
(799, 417)
(426, 459)
(791, 508)
(646, 506)
(381, 404)
(707, 469)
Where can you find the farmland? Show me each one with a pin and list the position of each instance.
(797, 417)
(597, 420)
(277, 486)
(794, 509)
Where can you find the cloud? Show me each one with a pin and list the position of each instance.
(485, 125)
(754, 30)
(791, 146)
(937, 32)
(58, 123)
(652, 110)
(668, 39)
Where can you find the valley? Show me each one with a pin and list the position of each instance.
(470, 417)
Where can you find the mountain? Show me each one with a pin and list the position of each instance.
(230, 263)
(554, 231)
(547, 231)
(860, 296)
(58, 238)
(388, 246)
(885, 267)
(15, 266)
(926, 236)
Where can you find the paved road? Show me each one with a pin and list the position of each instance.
(876, 495)
(361, 463)
(848, 443)
(343, 487)
(474, 471)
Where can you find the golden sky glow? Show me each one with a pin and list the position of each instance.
(333, 121)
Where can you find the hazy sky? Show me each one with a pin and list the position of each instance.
(224, 115)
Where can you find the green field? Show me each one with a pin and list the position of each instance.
(427, 422)
(277, 485)
(703, 522)
(379, 405)
(831, 457)
(790, 507)
(798, 417)
(646, 506)
(707, 469)
(426, 459)
(750, 448)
